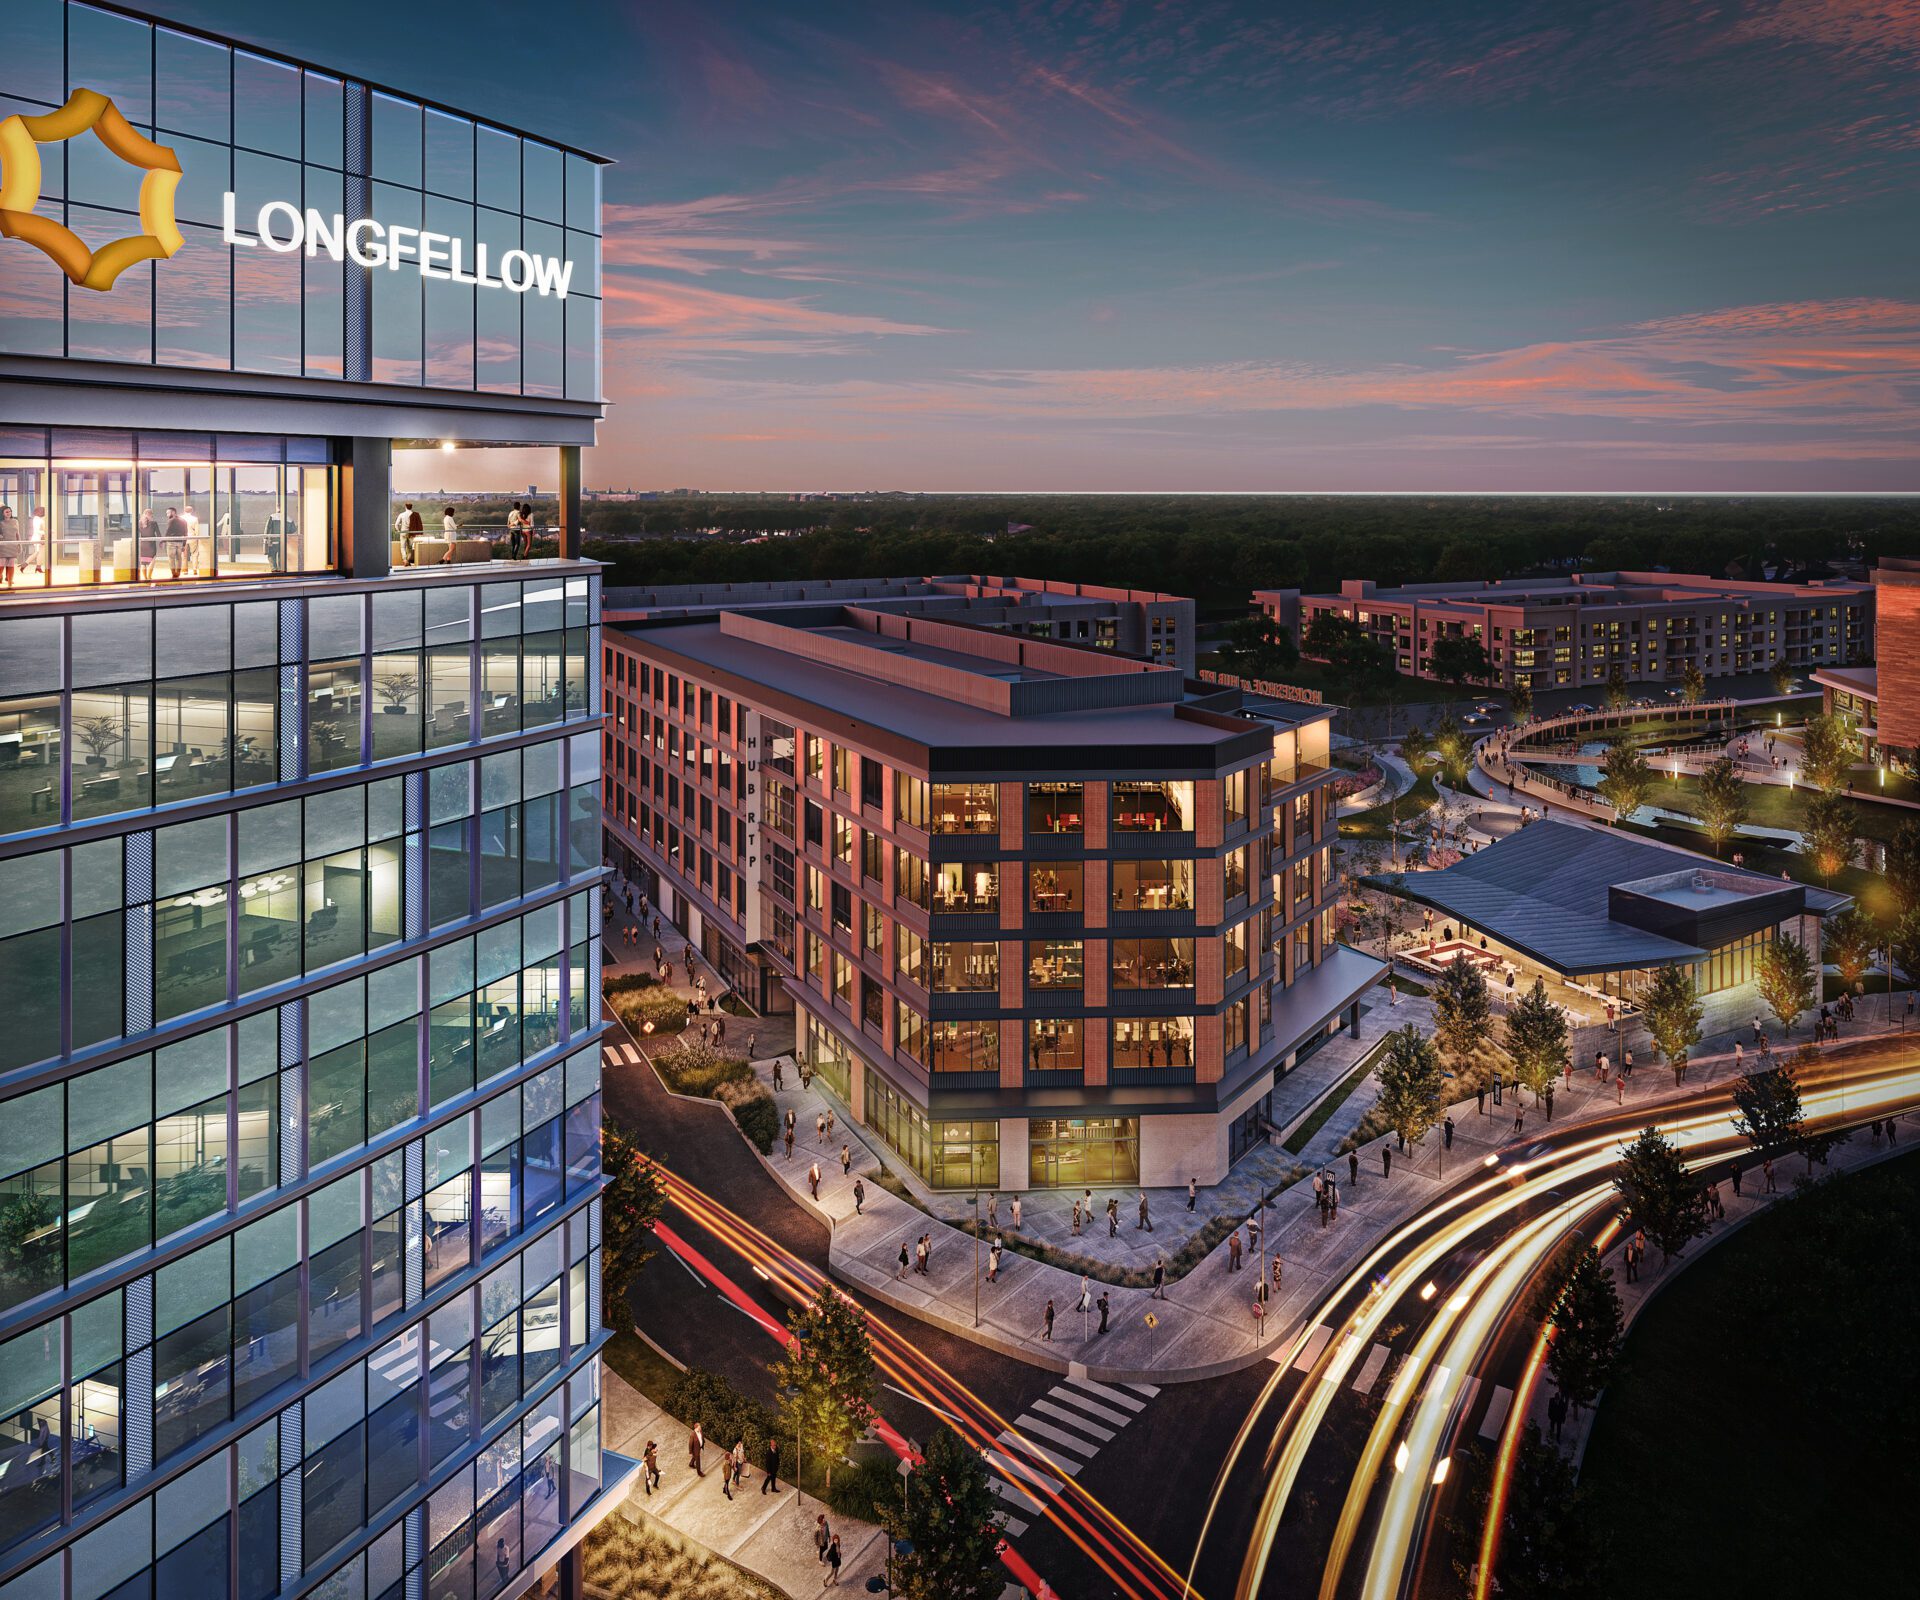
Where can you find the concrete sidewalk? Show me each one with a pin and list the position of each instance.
(771, 1534)
(1205, 1322)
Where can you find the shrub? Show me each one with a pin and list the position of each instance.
(725, 1413)
(649, 1003)
(868, 1490)
(751, 1103)
(694, 1067)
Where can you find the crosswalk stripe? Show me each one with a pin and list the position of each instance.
(1028, 1423)
(1105, 1393)
(1009, 1523)
(1370, 1369)
(1049, 1462)
(1147, 1389)
(1310, 1351)
(1013, 1495)
(1022, 1476)
(1078, 1421)
(1089, 1405)
(1343, 1361)
(1496, 1411)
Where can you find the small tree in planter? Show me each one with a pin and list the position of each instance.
(100, 735)
(400, 690)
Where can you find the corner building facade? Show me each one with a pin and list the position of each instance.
(299, 867)
(1049, 916)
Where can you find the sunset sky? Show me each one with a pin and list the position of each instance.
(1121, 245)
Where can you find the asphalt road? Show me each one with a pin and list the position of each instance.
(1304, 1440)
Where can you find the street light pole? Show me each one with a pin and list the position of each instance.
(974, 1200)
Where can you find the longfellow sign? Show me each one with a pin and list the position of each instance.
(285, 228)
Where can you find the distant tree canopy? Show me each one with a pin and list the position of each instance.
(1219, 548)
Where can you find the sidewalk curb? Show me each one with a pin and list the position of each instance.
(1537, 1409)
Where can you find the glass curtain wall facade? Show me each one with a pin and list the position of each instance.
(300, 1092)
(268, 130)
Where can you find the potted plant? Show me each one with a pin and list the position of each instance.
(99, 734)
(398, 691)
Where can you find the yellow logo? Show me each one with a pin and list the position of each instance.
(20, 141)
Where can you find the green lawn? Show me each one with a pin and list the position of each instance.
(1376, 822)
(1760, 1431)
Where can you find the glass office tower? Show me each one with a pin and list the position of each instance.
(299, 858)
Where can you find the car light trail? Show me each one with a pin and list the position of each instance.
(1127, 1561)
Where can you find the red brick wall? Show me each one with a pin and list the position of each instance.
(1209, 1040)
(1209, 980)
(1096, 805)
(1013, 815)
(1013, 892)
(1897, 646)
(1013, 974)
(1094, 1041)
(1095, 893)
(1012, 1053)
(1094, 967)
(1209, 822)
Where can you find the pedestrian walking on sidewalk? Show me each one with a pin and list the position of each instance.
(776, 1066)
(1193, 1193)
(1519, 1117)
(1713, 1201)
(726, 1473)
(1076, 1219)
(1632, 1261)
(820, 1127)
(650, 1467)
(1766, 1167)
(1159, 1279)
(1386, 1161)
(1556, 1415)
(1620, 1090)
(696, 1443)
(822, 1537)
(903, 1260)
(813, 1179)
(1480, 1099)
(859, 1197)
(1276, 1277)
(1233, 1251)
(832, 1579)
(993, 1211)
(753, 1052)
(1353, 1167)
(1446, 1134)
(846, 1160)
(1333, 1197)
(1733, 1172)
(1146, 1220)
(789, 1143)
(829, 1124)
(1113, 1216)
(993, 1259)
(1016, 1213)
(1105, 1306)
(1047, 1333)
(1626, 1063)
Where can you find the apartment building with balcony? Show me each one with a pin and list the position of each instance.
(1573, 632)
(1049, 915)
(300, 865)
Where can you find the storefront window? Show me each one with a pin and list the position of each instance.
(1083, 1152)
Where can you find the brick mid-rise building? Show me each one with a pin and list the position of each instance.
(1049, 914)
(1576, 631)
